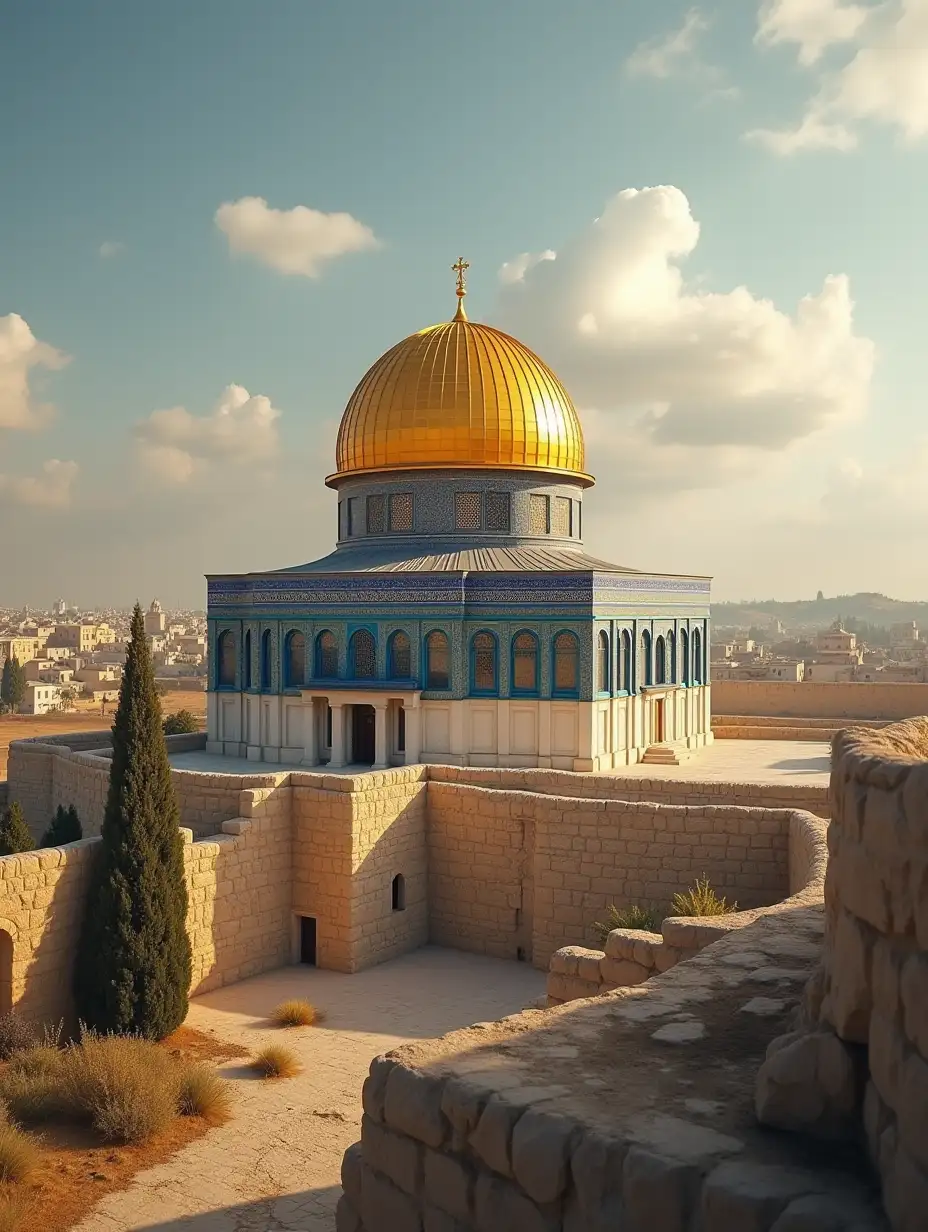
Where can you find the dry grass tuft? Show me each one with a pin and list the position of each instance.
(15, 1207)
(701, 900)
(33, 1088)
(275, 1061)
(204, 1094)
(126, 1087)
(19, 1154)
(633, 916)
(296, 1013)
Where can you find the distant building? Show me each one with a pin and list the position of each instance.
(40, 698)
(155, 619)
(22, 649)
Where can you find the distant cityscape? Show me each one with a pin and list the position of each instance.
(73, 658)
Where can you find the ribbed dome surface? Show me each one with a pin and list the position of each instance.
(460, 395)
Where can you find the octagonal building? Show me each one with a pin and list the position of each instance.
(459, 618)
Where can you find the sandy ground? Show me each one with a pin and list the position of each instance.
(86, 717)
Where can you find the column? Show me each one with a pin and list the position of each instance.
(311, 733)
(380, 733)
(337, 761)
(413, 732)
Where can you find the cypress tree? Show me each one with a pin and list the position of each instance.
(17, 684)
(6, 684)
(133, 967)
(15, 835)
(65, 828)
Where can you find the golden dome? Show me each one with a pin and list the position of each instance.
(460, 395)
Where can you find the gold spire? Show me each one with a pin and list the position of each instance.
(459, 267)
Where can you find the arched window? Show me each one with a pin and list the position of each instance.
(484, 663)
(326, 656)
(660, 661)
(399, 658)
(265, 660)
(602, 662)
(671, 657)
(644, 675)
(525, 663)
(684, 657)
(225, 660)
(295, 660)
(362, 655)
(697, 657)
(246, 661)
(437, 665)
(398, 890)
(566, 663)
(625, 663)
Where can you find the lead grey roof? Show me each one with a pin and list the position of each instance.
(396, 559)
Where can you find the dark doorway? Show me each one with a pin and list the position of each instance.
(308, 940)
(362, 735)
(659, 721)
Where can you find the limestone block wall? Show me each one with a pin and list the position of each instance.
(322, 855)
(820, 699)
(632, 956)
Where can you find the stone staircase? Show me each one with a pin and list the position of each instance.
(663, 755)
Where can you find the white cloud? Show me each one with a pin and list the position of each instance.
(814, 25)
(670, 54)
(21, 351)
(176, 446)
(884, 82)
(297, 241)
(111, 248)
(49, 490)
(516, 269)
(683, 387)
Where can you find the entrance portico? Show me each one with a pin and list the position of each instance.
(370, 727)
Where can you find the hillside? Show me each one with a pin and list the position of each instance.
(862, 608)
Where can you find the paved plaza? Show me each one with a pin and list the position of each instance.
(275, 1167)
(726, 761)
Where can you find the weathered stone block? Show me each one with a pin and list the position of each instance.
(375, 1085)
(462, 1103)
(905, 1192)
(384, 1208)
(660, 1194)
(887, 1058)
(412, 1104)
(500, 1204)
(436, 1220)
(394, 1155)
(913, 989)
(830, 1212)
(541, 1153)
(449, 1184)
(596, 1166)
(848, 1002)
(347, 1218)
(492, 1138)
(351, 1173)
(623, 973)
(748, 1197)
(912, 1109)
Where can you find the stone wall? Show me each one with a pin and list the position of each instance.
(632, 956)
(820, 700)
(863, 1052)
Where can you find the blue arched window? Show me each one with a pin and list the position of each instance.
(625, 663)
(671, 657)
(437, 661)
(362, 655)
(684, 657)
(295, 660)
(484, 663)
(645, 676)
(226, 660)
(525, 663)
(660, 661)
(602, 662)
(326, 664)
(697, 657)
(246, 661)
(566, 680)
(399, 656)
(265, 660)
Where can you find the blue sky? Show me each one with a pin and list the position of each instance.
(493, 130)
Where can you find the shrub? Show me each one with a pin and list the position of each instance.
(133, 967)
(275, 1061)
(296, 1013)
(701, 900)
(633, 916)
(15, 1034)
(19, 1154)
(65, 828)
(204, 1094)
(126, 1087)
(181, 723)
(15, 835)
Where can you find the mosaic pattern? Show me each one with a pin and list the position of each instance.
(326, 656)
(437, 666)
(376, 514)
(400, 511)
(566, 663)
(538, 514)
(399, 657)
(498, 511)
(485, 661)
(362, 655)
(467, 511)
(525, 663)
(560, 517)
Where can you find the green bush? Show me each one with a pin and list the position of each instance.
(15, 835)
(181, 723)
(701, 900)
(632, 916)
(65, 828)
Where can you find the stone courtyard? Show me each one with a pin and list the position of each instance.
(275, 1167)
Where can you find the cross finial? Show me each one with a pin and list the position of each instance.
(459, 267)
